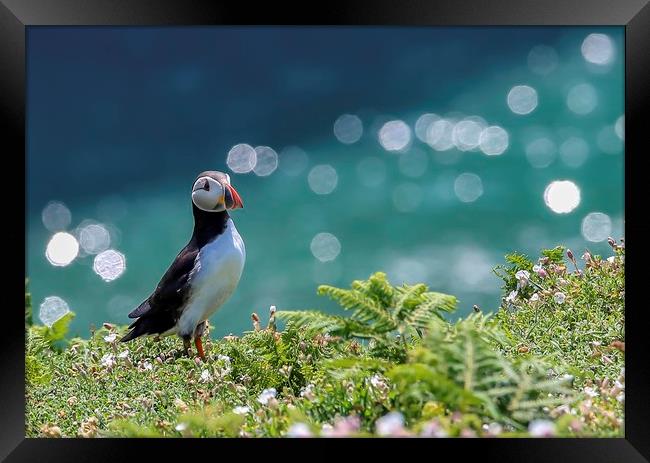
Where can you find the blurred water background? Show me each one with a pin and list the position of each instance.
(427, 153)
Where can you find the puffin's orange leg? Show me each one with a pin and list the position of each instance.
(199, 347)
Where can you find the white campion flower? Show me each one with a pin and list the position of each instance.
(537, 268)
(541, 428)
(590, 391)
(559, 298)
(241, 410)
(390, 424)
(522, 277)
(205, 376)
(266, 395)
(180, 427)
(124, 354)
(110, 338)
(108, 360)
(147, 366)
(224, 358)
(299, 430)
(534, 297)
(308, 392)
(511, 297)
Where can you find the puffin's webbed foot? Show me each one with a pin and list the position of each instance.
(186, 346)
(198, 332)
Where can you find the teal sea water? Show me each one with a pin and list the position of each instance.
(120, 121)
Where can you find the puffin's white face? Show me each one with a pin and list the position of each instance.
(211, 195)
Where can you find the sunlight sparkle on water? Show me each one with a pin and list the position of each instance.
(241, 158)
(574, 151)
(562, 196)
(598, 49)
(422, 125)
(541, 152)
(267, 161)
(322, 179)
(348, 129)
(109, 264)
(522, 99)
(52, 309)
(325, 247)
(62, 249)
(440, 135)
(56, 216)
(94, 238)
(395, 135)
(582, 99)
(468, 187)
(494, 140)
(596, 227)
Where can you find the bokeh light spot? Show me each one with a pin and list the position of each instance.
(322, 179)
(325, 247)
(52, 309)
(541, 152)
(395, 135)
(440, 135)
(582, 99)
(62, 249)
(94, 238)
(598, 49)
(56, 216)
(619, 127)
(596, 227)
(562, 196)
(494, 140)
(522, 99)
(468, 187)
(348, 129)
(422, 125)
(466, 134)
(241, 158)
(109, 264)
(267, 161)
(574, 151)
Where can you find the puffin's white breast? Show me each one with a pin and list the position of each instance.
(217, 270)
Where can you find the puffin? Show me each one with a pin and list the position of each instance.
(204, 274)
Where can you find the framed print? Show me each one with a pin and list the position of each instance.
(385, 224)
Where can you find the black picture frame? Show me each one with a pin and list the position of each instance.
(17, 15)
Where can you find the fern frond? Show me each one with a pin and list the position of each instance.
(365, 309)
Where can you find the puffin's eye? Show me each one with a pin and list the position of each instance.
(206, 185)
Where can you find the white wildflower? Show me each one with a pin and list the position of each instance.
(512, 296)
(390, 424)
(147, 365)
(266, 395)
(522, 277)
(224, 358)
(180, 427)
(541, 428)
(590, 391)
(534, 297)
(611, 259)
(124, 354)
(308, 392)
(537, 268)
(205, 376)
(110, 338)
(241, 410)
(108, 360)
(559, 298)
(299, 430)
(621, 397)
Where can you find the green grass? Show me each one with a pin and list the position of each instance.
(544, 364)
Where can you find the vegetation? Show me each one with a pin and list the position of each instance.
(548, 363)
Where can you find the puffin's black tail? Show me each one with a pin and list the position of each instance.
(137, 329)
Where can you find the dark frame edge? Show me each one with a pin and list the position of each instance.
(637, 70)
(12, 117)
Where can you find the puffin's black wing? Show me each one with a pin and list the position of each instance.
(160, 311)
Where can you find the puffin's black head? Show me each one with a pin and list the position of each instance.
(212, 192)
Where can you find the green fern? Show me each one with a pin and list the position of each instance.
(378, 310)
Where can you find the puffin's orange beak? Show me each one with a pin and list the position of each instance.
(233, 200)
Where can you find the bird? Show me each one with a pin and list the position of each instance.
(204, 274)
